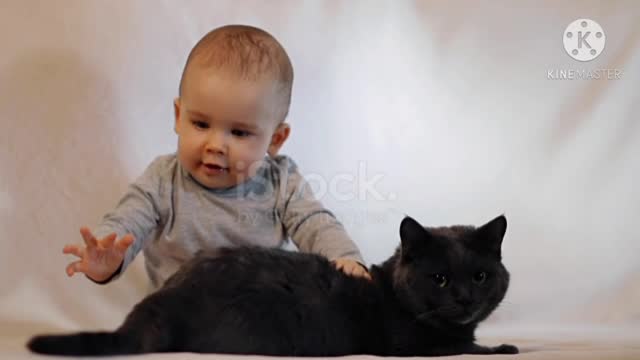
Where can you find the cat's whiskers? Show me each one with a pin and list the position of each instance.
(508, 304)
(426, 316)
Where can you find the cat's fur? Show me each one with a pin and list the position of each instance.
(273, 302)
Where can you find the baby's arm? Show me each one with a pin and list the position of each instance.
(315, 229)
(112, 246)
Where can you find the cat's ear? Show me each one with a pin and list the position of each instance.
(489, 236)
(413, 237)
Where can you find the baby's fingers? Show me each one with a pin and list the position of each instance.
(109, 240)
(89, 239)
(73, 249)
(124, 243)
(358, 270)
(361, 272)
(75, 267)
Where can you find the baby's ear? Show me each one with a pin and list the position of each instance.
(176, 113)
(278, 138)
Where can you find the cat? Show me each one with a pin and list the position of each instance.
(425, 300)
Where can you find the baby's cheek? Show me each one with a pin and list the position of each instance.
(246, 166)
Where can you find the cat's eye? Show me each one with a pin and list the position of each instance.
(440, 280)
(480, 277)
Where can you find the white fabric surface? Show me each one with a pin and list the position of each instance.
(445, 108)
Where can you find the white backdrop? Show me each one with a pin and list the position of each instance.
(444, 108)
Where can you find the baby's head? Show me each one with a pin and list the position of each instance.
(234, 97)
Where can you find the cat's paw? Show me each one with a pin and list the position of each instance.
(505, 349)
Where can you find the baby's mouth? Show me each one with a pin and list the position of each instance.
(215, 167)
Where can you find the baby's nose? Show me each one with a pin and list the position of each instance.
(217, 142)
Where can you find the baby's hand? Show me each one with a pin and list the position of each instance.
(100, 258)
(352, 267)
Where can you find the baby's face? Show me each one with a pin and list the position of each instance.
(225, 126)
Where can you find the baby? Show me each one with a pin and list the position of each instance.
(226, 185)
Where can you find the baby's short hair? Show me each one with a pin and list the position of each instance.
(250, 52)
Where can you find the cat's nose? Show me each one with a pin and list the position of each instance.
(464, 301)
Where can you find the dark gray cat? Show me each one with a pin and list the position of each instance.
(425, 300)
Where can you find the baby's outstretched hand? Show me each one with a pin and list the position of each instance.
(352, 267)
(99, 259)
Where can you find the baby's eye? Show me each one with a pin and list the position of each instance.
(200, 124)
(480, 277)
(440, 280)
(240, 133)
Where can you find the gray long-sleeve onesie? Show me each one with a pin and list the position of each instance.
(172, 216)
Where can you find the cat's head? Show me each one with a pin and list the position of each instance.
(450, 275)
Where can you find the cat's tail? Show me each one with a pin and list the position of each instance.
(83, 344)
